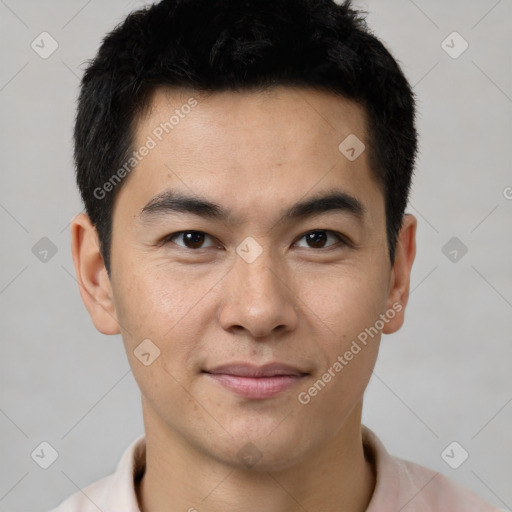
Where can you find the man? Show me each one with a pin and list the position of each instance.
(245, 168)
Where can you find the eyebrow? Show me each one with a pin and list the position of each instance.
(169, 202)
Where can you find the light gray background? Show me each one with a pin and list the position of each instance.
(444, 377)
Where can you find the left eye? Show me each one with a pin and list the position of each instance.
(317, 239)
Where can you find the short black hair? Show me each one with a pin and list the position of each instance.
(237, 45)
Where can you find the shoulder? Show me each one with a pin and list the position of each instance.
(89, 499)
(409, 487)
(116, 491)
(428, 490)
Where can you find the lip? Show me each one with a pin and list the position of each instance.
(256, 382)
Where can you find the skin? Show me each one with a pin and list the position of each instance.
(254, 153)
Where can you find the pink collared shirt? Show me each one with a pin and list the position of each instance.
(400, 486)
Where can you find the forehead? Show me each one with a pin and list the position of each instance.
(310, 114)
(252, 148)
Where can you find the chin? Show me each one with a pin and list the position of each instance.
(268, 446)
(260, 458)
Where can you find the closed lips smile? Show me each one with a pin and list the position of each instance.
(256, 382)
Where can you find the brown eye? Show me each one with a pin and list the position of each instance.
(317, 239)
(190, 239)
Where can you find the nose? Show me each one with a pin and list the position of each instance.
(258, 299)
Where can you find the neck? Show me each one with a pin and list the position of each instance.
(334, 478)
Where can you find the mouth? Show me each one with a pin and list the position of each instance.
(256, 382)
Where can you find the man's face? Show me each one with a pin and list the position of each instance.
(254, 288)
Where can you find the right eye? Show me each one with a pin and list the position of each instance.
(190, 239)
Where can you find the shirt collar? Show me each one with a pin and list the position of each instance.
(131, 468)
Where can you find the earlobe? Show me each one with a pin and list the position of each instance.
(401, 273)
(92, 277)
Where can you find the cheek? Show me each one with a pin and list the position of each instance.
(166, 306)
(347, 308)
(151, 301)
(152, 308)
(344, 302)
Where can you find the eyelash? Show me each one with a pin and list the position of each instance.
(342, 239)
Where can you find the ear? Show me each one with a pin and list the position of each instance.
(401, 273)
(92, 277)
